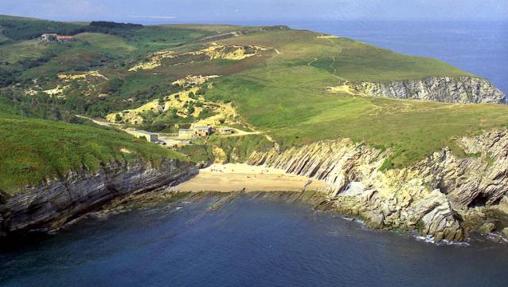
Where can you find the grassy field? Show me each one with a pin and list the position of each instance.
(32, 149)
(293, 106)
(345, 58)
(105, 42)
(19, 51)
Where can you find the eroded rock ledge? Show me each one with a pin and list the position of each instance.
(435, 197)
(441, 89)
(49, 206)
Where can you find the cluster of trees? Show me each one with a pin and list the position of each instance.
(7, 76)
(168, 122)
(39, 105)
(111, 27)
(10, 73)
(23, 29)
(65, 108)
(107, 97)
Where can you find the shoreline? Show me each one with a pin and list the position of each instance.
(247, 178)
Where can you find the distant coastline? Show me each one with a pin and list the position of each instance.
(454, 42)
(479, 47)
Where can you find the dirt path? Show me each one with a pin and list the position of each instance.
(312, 62)
(168, 140)
(241, 133)
(172, 140)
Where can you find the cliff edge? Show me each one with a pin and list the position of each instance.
(49, 206)
(441, 89)
(443, 196)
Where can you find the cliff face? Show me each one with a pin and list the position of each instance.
(48, 207)
(441, 89)
(434, 197)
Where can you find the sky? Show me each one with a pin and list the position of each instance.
(238, 11)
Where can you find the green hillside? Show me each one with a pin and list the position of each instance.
(345, 58)
(33, 149)
(293, 106)
(276, 79)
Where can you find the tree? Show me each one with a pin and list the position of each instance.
(113, 86)
(190, 108)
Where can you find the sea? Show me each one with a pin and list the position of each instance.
(260, 242)
(250, 241)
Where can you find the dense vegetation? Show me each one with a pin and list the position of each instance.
(16, 28)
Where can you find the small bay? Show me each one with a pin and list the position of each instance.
(247, 242)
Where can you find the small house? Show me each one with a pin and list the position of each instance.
(203, 131)
(49, 37)
(148, 136)
(151, 137)
(62, 38)
(52, 38)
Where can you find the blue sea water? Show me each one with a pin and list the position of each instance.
(479, 47)
(248, 242)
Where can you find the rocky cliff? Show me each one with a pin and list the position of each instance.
(441, 89)
(443, 196)
(49, 206)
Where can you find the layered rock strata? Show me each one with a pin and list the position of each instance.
(51, 205)
(441, 89)
(433, 197)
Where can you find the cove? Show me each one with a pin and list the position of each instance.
(249, 241)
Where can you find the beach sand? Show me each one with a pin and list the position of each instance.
(248, 178)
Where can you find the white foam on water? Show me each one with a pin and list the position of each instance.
(431, 240)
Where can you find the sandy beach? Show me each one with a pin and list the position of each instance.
(243, 177)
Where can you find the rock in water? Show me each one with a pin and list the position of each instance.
(505, 232)
(487, 228)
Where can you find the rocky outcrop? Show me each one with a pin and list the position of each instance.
(441, 89)
(433, 197)
(479, 179)
(49, 206)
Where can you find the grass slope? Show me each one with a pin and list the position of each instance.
(32, 150)
(293, 106)
(345, 58)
